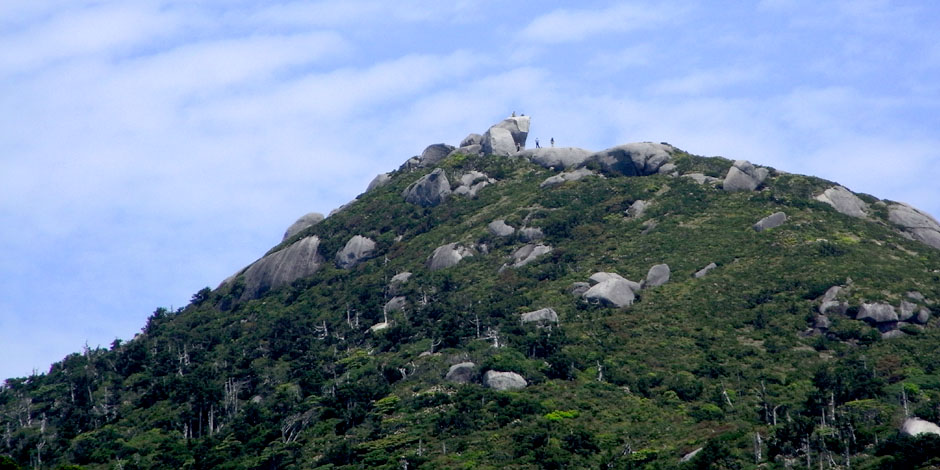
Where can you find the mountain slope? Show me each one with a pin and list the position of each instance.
(310, 359)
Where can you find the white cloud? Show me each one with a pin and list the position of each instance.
(704, 81)
(565, 25)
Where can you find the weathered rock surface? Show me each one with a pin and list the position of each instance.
(833, 306)
(891, 334)
(637, 209)
(690, 455)
(471, 139)
(472, 182)
(434, 153)
(566, 176)
(906, 311)
(612, 292)
(430, 190)
(518, 127)
(357, 250)
(744, 177)
(557, 157)
(396, 304)
(304, 222)
(378, 327)
(771, 221)
(461, 373)
(503, 381)
(702, 272)
(914, 426)
(700, 178)
(500, 228)
(394, 284)
(545, 315)
(919, 225)
(636, 159)
(578, 289)
(657, 276)
(844, 201)
(447, 256)
(821, 322)
(600, 277)
(528, 254)
(380, 180)
(498, 141)
(531, 234)
(877, 313)
(923, 315)
(475, 149)
(299, 260)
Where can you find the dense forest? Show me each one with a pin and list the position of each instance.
(494, 353)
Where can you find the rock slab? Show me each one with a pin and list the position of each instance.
(357, 250)
(503, 381)
(612, 292)
(771, 221)
(545, 315)
(430, 190)
(304, 222)
(278, 269)
(744, 177)
(461, 373)
(447, 255)
(844, 201)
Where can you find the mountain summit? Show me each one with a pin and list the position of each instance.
(495, 306)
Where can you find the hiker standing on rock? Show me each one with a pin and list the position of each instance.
(553, 141)
(537, 143)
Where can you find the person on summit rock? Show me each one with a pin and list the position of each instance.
(537, 143)
(553, 141)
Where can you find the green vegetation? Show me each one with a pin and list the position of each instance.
(727, 363)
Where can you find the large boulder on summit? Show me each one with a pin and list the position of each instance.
(557, 157)
(299, 260)
(844, 201)
(612, 292)
(498, 141)
(503, 381)
(304, 222)
(518, 127)
(447, 255)
(919, 225)
(657, 276)
(545, 315)
(744, 177)
(434, 153)
(636, 159)
(461, 373)
(357, 250)
(877, 313)
(430, 190)
(771, 221)
(472, 139)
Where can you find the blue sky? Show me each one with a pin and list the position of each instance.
(152, 148)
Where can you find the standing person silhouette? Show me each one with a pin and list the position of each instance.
(553, 141)
(537, 143)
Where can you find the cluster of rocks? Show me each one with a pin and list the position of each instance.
(614, 290)
(466, 372)
(433, 188)
(887, 318)
(743, 176)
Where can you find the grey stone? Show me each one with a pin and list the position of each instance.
(434, 153)
(636, 159)
(498, 141)
(744, 177)
(906, 311)
(529, 253)
(833, 306)
(690, 455)
(531, 234)
(612, 292)
(300, 259)
(471, 139)
(566, 176)
(877, 313)
(518, 127)
(771, 221)
(378, 327)
(914, 295)
(923, 315)
(447, 255)
(396, 304)
(657, 276)
(461, 373)
(700, 178)
(339, 209)
(499, 228)
(357, 250)
(557, 157)
(394, 285)
(832, 293)
(702, 272)
(475, 149)
(668, 169)
(471, 191)
(916, 426)
(600, 277)
(637, 209)
(380, 180)
(919, 225)
(844, 201)
(304, 222)
(578, 289)
(503, 381)
(821, 322)
(471, 177)
(545, 315)
(430, 190)
(891, 334)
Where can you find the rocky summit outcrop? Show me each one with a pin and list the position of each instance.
(542, 316)
(500, 228)
(566, 176)
(304, 222)
(433, 154)
(299, 260)
(636, 159)
(430, 190)
(744, 177)
(612, 292)
(461, 373)
(657, 276)
(503, 381)
(518, 127)
(918, 225)
(447, 255)
(356, 250)
(498, 141)
(844, 201)
(380, 180)
(877, 313)
(915, 426)
(557, 157)
(771, 221)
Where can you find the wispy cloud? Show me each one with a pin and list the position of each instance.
(566, 25)
(703, 81)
